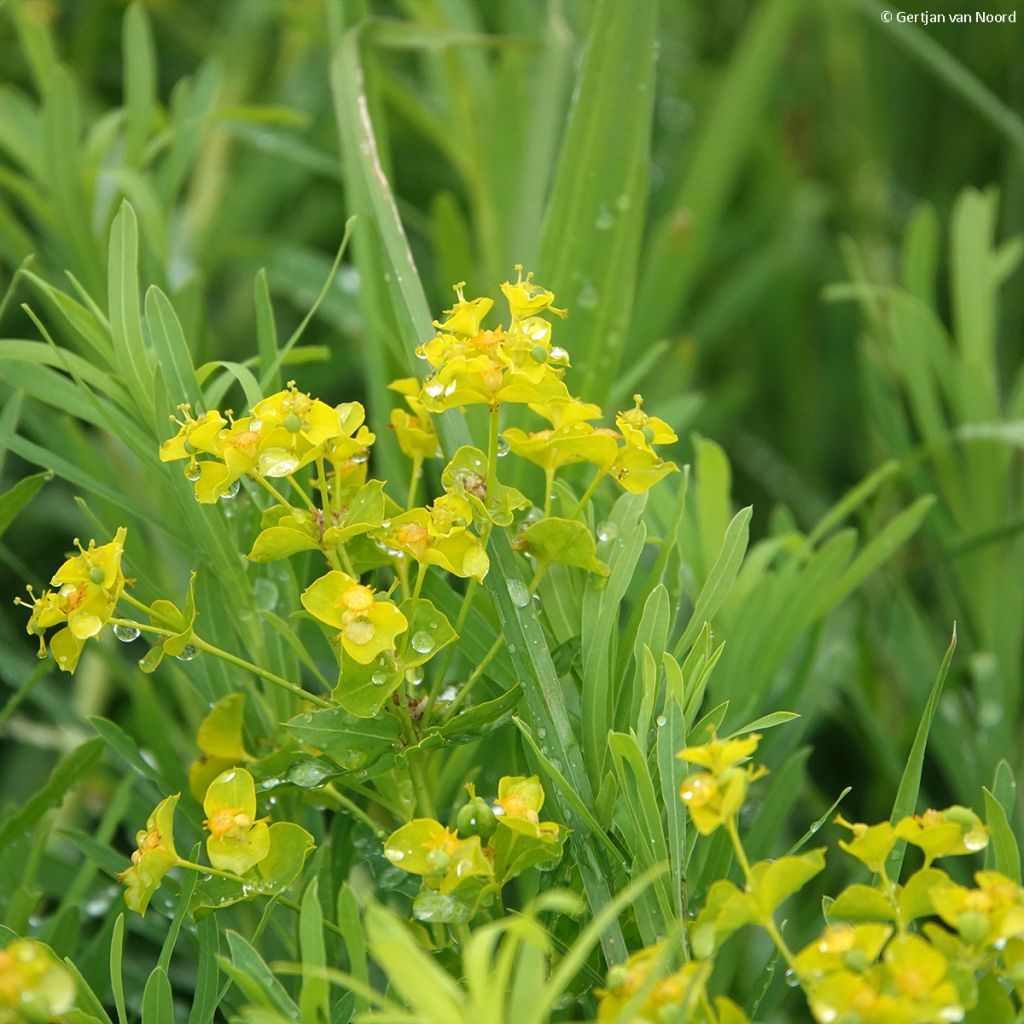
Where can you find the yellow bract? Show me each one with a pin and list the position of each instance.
(715, 796)
(238, 841)
(367, 627)
(154, 857)
(34, 985)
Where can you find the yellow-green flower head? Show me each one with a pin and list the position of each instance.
(713, 799)
(35, 987)
(439, 535)
(576, 442)
(638, 469)
(525, 298)
(483, 380)
(520, 796)
(954, 831)
(843, 947)
(194, 435)
(154, 857)
(871, 844)
(306, 422)
(425, 847)
(236, 452)
(641, 430)
(990, 915)
(566, 412)
(350, 447)
(465, 317)
(367, 627)
(238, 840)
(89, 585)
(909, 986)
(717, 755)
(674, 998)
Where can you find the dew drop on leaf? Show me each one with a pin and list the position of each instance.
(188, 652)
(126, 634)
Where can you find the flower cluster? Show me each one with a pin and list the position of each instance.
(35, 987)
(88, 587)
(714, 796)
(489, 846)
(282, 434)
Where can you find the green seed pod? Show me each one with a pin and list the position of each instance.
(617, 977)
(669, 1013)
(96, 574)
(476, 819)
(292, 423)
(648, 433)
(539, 354)
(856, 960)
(438, 860)
(963, 816)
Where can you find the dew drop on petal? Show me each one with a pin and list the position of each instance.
(192, 472)
(232, 491)
(503, 448)
(422, 642)
(188, 652)
(275, 462)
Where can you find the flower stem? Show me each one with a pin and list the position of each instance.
(476, 674)
(414, 479)
(589, 492)
(272, 491)
(256, 670)
(494, 428)
(302, 493)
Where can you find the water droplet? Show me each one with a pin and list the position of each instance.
(192, 472)
(448, 694)
(188, 652)
(661, 721)
(503, 448)
(519, 592)
(588, 296)
(307, 774)
(542, 733)
(791, 978)
(414, 676)
(511, 648)
(275, 462)
(990, 714)
(232, 491)
(605, 219)
(422, 642)
(126, 634)
(499, 811)
(622, 202)
(378, 678)
(360, 457)
(607, 531)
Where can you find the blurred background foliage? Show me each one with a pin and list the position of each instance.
(795, 271)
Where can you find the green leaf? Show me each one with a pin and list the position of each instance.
(254, 978)
(363, 689)
(562, 541)
(593, 224)
(350, 741)
(520, 845)
(157, 1004)
(1004, 843)
(314, 1002)
(71, 770)
(266, 335)
(171, 349)
(116, 974)
(775, 881)
(18, 496)
(428, 632)
(910, 783)
(207, 995)
(481, 719)
(861, 903)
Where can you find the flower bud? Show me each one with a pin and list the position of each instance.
(476, 819)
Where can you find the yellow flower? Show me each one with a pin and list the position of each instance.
(194, 435)
(367, 627)
(871, 844)
(238, 840)
(526, 299)
(520, 796)
(673, 998)
(465, 316)
(954, 831)
(640, 430)
(35, 987)
(154, 857)
(717, 755)
(89, 586)
(415, 433)
(439, 535)
(714, 796)
(991, 914)
(843, 947)
(425, 847)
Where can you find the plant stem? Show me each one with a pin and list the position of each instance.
(302, 493)
(476, 674)
(549, 486)
(414, 479)
(256, 670)
(325, 500)
(589, 492)
(493, 429)
(273, 491)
